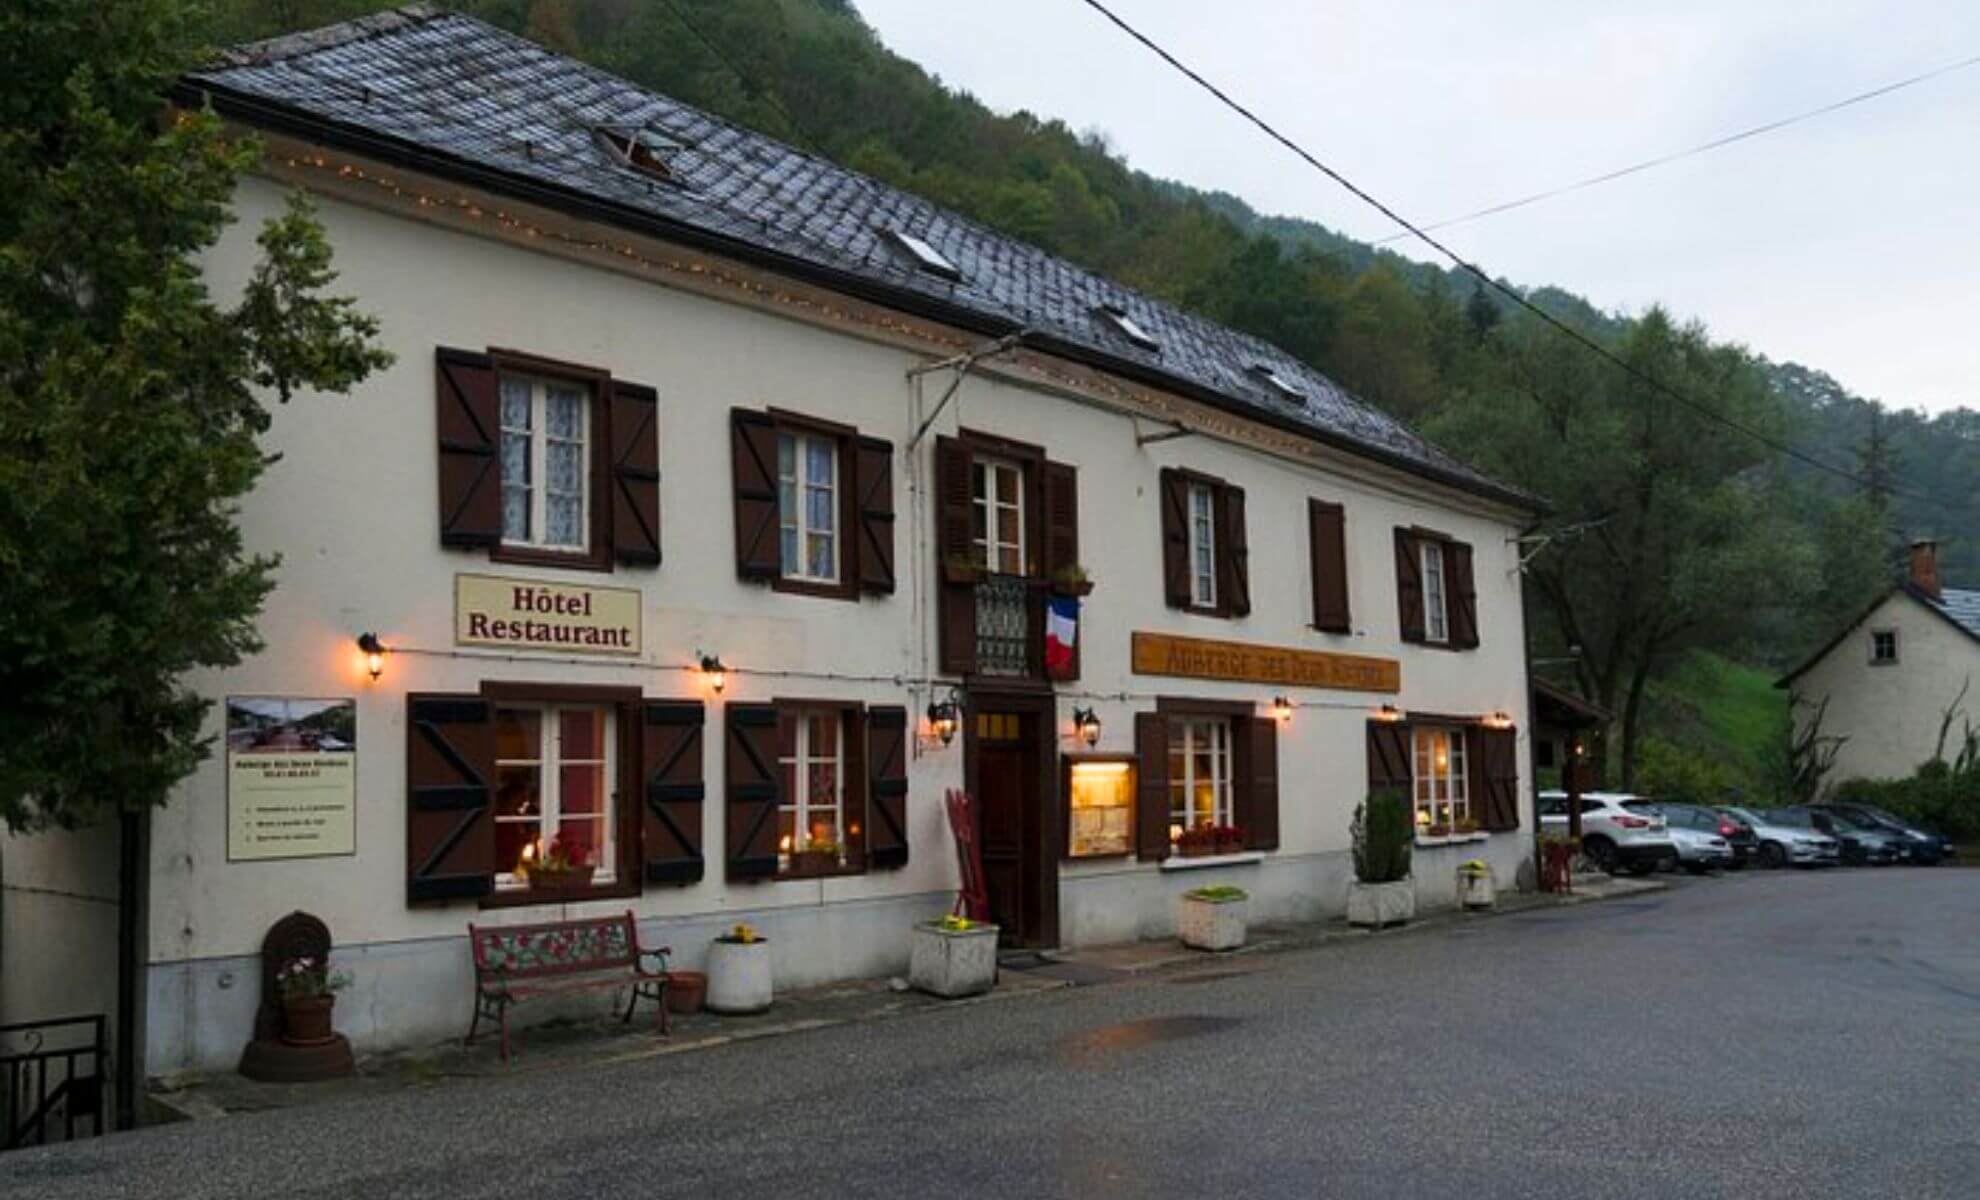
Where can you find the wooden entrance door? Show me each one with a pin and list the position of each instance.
(1008, 747)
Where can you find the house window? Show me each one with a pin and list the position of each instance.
(808, 506)
(1883, 647)
(1199, 773)
(1436, 624)
(554, 791)
(1202, 546)
(811, 819)
(997, 515)
(1099, 807)
(546, 432)
(1442, 805)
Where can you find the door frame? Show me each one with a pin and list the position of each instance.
(1041, 836)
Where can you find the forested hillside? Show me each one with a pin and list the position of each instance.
(1671, 534)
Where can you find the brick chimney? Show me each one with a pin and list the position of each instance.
(1925, 567)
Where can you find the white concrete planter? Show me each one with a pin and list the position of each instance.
(738, 977)
(1205, 924)
(1476, 891)
(1374, 905)
(953, 962)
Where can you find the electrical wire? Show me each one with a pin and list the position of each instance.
(1464, 264)
(1701, 148)
(743, 77)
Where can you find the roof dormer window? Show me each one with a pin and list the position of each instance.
(925, 256)
(1270, 377)
(1128, 327)
(643, 150)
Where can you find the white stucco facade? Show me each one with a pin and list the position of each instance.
(1890, 712)
(350, 507)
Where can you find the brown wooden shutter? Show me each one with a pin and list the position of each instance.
(450, 823)
(1326, 527)
(468, 413)
(886, 787)
(1463, 595)
(854, 789)
(1151, 787)
(1061, 504)
(1174, 501)
(635, 453)
(1494, 781)
(1234, 560)
(1389, 763)
(956, 601)
(1409, 585)
(752, 784)
(1256, 807)
(671, 791)
(753, 455)
(873, 485)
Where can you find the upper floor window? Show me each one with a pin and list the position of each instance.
(1205, 564)
(1202, 546)
(807, 506)
(997, 515)
(546, 429)
(1436, 621)
(1883, 647)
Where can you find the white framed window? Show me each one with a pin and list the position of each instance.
(808, 506)
(1883, 647)
(811, 760)
(1202, 545)
(1442, 797)
(1199, 773)
(555, 789)
(1436, 615)
(997, 514)
(546, 477)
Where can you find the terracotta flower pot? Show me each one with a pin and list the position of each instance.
(686, 990)
(306, 1019)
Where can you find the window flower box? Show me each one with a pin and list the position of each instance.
(561, 882)
(1213, 918)
(739, 979)
(953, 957)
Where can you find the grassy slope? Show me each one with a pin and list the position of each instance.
(1723, 711)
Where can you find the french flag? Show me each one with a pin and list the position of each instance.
(1061, 634)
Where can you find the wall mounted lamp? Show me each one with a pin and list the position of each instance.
(944, 717)
(1282, 709)
(1086, 724)
(718, 675)
(1389, 713)
(374, 652)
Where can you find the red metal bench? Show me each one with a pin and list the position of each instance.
(516, 963)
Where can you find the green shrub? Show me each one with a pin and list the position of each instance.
(1671, 772)
(1383, 837)
(1940, 797)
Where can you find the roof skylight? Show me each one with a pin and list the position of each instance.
(1128, 327)
(1269, 375)
(643, 150)
(925, 256)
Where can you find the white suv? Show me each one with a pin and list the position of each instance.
(1612, 836)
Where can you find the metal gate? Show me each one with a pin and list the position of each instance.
(51, 1081)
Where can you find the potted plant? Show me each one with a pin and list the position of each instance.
(562, 868)
(685, 991)
(308, 990)
(1072, 580)
(739, 978)
(1467, 826)
(1475, 886)
(953, 957)
(1382, 893)
(1230, 839)
(1198, 841)
(1213, 917)
(819, 856)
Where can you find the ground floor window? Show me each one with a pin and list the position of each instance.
(1443, 804)
(555, 810)
(813, 832)
(1199, 774)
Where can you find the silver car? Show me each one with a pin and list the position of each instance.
(1698, 851)
(1785, 843)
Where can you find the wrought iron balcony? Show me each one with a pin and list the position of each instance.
(1007, 609)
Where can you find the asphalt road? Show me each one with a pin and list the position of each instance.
(1779, 1035)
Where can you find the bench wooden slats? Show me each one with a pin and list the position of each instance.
(517, 963)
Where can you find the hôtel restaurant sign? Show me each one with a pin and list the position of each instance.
(526, 614)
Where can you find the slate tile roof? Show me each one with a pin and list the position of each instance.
(1963, 607)
(452, 90)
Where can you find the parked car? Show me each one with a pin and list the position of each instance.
(1705, 839)
(1614, 838)
(1862, 844)
(1787, 840)
(1919, 845)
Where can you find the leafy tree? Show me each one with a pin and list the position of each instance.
(130, 402)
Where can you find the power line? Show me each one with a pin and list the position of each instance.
(1701, 148)
(743, 77)
(1466, 265)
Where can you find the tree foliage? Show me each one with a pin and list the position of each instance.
(130, 404)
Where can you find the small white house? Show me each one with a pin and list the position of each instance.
(724, 511)
(1890, 681)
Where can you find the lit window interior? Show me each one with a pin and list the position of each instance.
(1102, 807)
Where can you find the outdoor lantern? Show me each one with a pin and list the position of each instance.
(942, 719)
(374, 653)
(1282, 709)
(1086, 723)
(1498, 719)
(718, 675)
(1388, 712)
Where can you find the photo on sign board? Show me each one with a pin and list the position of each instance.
(291, 777)
(283, 725)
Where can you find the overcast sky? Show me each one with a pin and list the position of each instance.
(1850, 242)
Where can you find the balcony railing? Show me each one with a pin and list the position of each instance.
(1006, 609)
